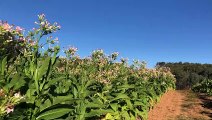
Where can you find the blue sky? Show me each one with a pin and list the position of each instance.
(153, 30)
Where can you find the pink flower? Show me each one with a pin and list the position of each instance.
(10, 109)
(7, 27)
(21, 39)
(31, 42)
(18, 29)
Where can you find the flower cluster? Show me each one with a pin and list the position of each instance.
(45, 26)
(107, 70)
(97, 54)
(8, 102)
(11, 39)
(124, 60)
(71, 51)
(6, 27)
(114, 55)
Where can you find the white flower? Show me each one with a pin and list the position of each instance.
(17, 95)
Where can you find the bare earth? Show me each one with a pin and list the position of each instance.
(182, 105)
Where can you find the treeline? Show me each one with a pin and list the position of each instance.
(188, 74)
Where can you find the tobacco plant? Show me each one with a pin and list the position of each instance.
(36, 84)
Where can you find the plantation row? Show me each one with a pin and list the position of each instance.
(36, 84)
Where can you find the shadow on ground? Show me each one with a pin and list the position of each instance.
(196, 107)
(206, 103)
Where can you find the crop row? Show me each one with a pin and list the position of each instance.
(36, 84)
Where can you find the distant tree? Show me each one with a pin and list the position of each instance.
(188, 74)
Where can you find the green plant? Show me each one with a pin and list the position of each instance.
(72, 88)
(205, 87)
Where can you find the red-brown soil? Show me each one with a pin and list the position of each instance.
(182, 105)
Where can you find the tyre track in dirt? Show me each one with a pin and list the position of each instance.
(179, 105)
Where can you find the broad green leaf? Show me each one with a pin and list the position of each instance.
(120, 96)
(62, 99)
(53, 114)
(46, 104)
(98, 112)
(30, 97)
(94, 105)
(114, 106)
(3, 65)
(109, 116)
(44, 67)
(75, 92)
(17, 82)
(125, 86)
(125, 115)
(129, 104)
(54, 81)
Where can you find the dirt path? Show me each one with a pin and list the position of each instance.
(182, 105)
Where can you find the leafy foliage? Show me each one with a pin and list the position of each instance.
(188, 74)
(204, 87)
(72, 88)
